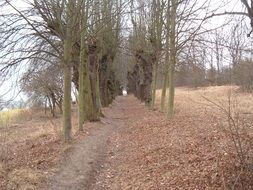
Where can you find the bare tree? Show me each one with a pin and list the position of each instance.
(44, 83)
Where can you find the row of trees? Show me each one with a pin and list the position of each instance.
(163, 31)
(58, 43)
(176, 39)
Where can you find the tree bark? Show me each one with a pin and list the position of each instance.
(165, 80)
(154, 83)
(67, 96)
(88, 102)
(81, 103)
(173, 56)
(167, 66)
(67, 69)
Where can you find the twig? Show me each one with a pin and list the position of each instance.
(237, 178)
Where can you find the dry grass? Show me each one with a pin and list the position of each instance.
(189, 100)
(17, 126)
(10, 116)
(29, 145)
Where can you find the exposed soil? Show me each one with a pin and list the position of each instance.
(86, 158)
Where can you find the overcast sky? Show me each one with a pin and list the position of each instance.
(224, 5)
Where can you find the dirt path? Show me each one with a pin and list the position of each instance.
(132, 148)
(86, 158)
(136, 148)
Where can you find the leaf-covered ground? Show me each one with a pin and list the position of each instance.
(141, 148)
(188, 152)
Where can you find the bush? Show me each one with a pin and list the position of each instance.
(243, 73)
(189, 74)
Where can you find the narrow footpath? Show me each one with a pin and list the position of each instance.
(86, 159)
(137, 148)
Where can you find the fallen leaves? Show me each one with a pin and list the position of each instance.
(187, 152)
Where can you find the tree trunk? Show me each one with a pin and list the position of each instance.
(154, 83)
(157, 44)
(167, 66)
(53, 104)
(171, 88)
(93, 70)
(104, 77)
(45, 104)
(59, 104)
(89, 106)
(165, 80)
(67, 96)
(81, 103)
(67, 69)
(173, 56)
(98, 100)
(49, 103)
